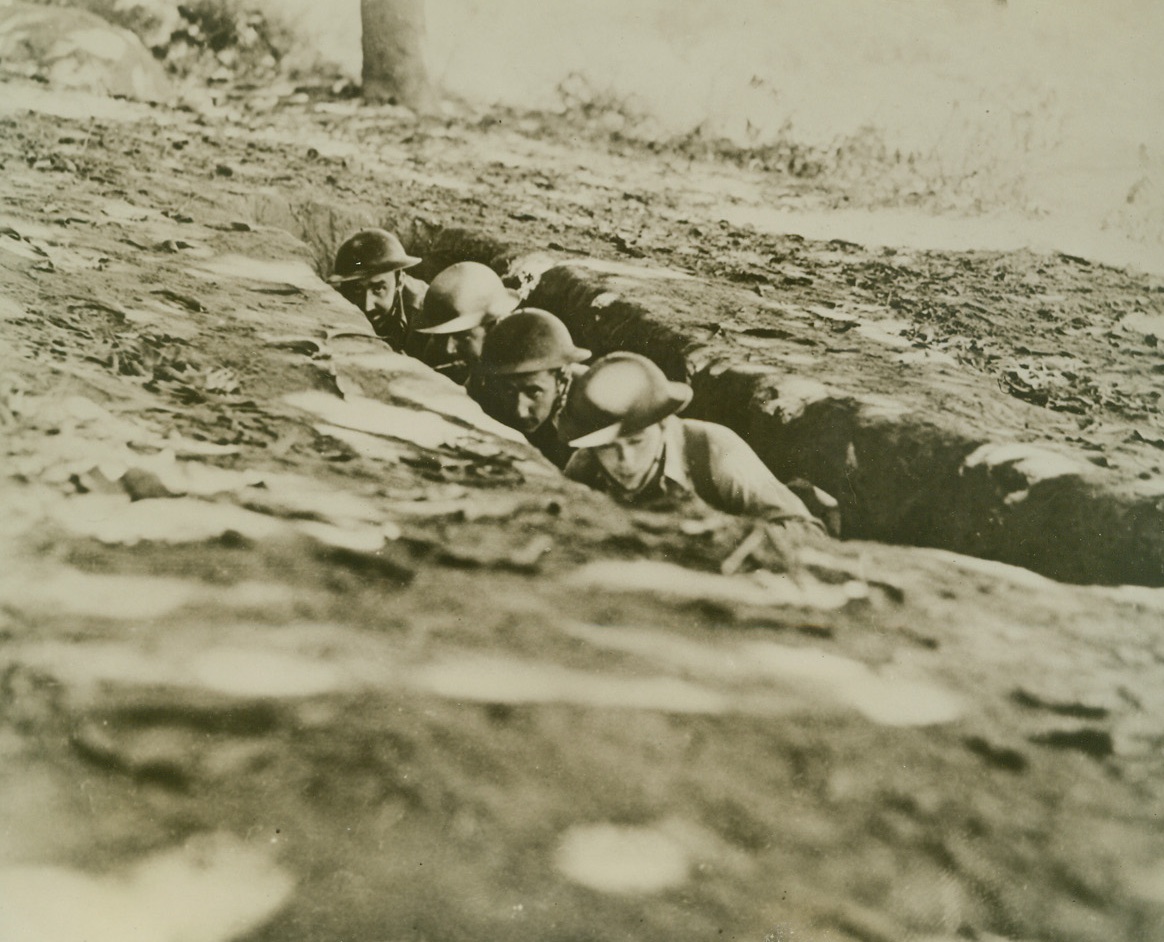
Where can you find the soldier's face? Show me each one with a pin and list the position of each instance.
(629, 458)
(467, 344)
(380, 292)
(523, 401)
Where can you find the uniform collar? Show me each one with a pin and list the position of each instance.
(673, 474)
(674, 452)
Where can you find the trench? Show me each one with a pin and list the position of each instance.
(901, 473)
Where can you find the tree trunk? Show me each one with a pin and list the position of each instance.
(393, 39)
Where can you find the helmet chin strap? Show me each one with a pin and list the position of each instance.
(562, 377)
(652, 475)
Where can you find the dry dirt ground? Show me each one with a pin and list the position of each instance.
(296, 644)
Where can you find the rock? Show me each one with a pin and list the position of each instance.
(213, 888)
(1001, 757)
(1091, 741)
(159, 756)
(1085, 707)
(76, 49)
(622, 860)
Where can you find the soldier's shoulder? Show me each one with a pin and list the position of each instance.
(716, 442)
(711, 431)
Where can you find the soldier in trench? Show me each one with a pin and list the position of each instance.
(528, 362)
(622, 417)
(462, 304)
(370, 272)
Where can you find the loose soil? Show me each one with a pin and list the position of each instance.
(289, 628)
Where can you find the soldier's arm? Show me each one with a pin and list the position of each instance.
(582, 468)
(743, 481)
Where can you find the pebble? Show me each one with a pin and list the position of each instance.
(1090, 740)
(356, 539)
(624, 860)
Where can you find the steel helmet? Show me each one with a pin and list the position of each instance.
(527, 341)
(464, 296)
(370, 252)
(620, 394)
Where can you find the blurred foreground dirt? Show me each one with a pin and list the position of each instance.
(297, 644)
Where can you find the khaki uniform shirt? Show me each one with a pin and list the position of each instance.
(707, 460)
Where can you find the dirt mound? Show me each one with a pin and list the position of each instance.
(75, 49)
(296, 643)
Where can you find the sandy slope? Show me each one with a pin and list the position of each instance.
(296, 644)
